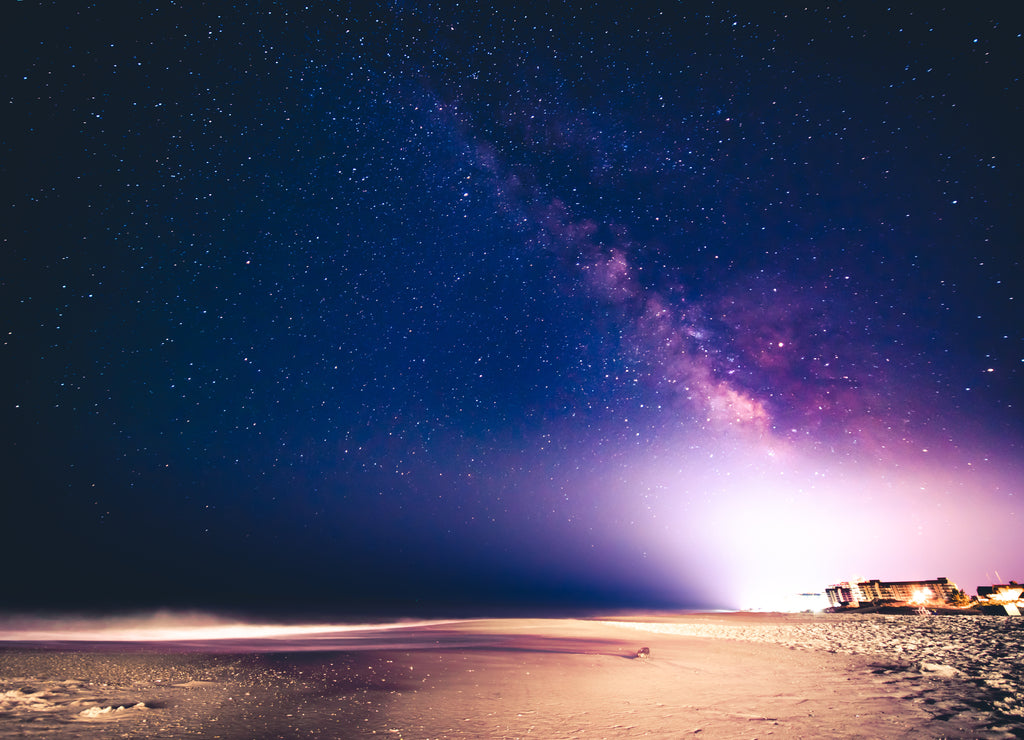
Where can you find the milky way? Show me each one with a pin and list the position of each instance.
(426, 309)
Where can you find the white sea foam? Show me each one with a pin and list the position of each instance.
(99, 712)
(72, 699)
(28, 700)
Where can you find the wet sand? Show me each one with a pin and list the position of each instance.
(736, 676)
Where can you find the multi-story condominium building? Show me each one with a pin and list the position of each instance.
(940, 590)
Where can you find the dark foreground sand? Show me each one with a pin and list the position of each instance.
(486, 679)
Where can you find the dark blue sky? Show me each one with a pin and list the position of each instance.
(354, 308)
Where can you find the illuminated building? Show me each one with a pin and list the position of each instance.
(851, 594)
(1002, 599)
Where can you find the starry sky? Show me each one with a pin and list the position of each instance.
(417, 307)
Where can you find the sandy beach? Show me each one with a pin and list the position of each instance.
(716, 675)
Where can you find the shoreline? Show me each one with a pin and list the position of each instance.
(742, 674)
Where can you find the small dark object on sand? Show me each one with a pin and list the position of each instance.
(644, 652)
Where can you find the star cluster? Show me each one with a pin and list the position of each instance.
(395, 307)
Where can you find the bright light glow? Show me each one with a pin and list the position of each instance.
(921, 596)
(165, 630)
(1007, 595)
(757, 524)
(791, 603)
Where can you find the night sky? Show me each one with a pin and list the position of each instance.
(409, 308)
